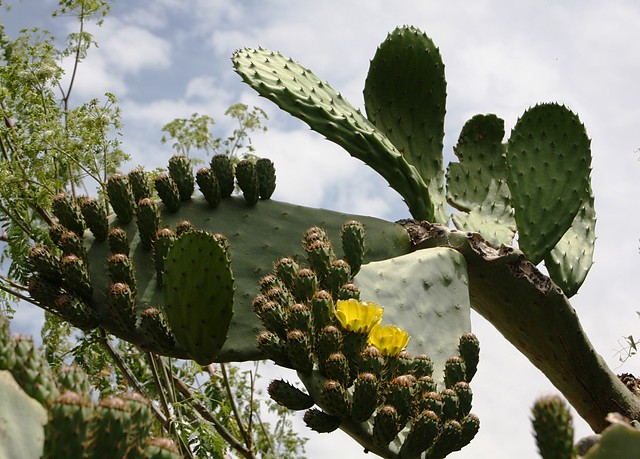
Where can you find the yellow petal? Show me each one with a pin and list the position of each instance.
(358, 316)
(389, 339)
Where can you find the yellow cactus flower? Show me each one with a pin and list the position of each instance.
(358, 316)
(389, 339)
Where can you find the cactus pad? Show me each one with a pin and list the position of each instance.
(198, 292)
(548, 169)
(22, 420)
(298, 91)
(405, 96)
(478, 183)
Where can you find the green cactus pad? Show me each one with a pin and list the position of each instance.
(257, 235)
(405, 95)
(296, 90)
(619, 440)
(426, 293)
(198, 292)
(548, 169)
(570, 260)
(536, 317)
(22, 420)
(478, 183)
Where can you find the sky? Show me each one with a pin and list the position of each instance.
(170, 58)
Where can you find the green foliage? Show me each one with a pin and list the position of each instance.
(49, 144)
(195, 133)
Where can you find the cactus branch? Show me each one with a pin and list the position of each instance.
(537, 318)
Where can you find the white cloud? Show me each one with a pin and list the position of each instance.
(124, 50)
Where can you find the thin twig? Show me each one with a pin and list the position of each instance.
(133, 381)
(153, 360)
(161, 394)
(204, 412)
(20, 296)
(234, 407)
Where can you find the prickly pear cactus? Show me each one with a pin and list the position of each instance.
(477, 184)
(553, 429)
(534, 187)
(358, 373)
(548, 145)
(121, 283)
(542, 174)
(412, 120)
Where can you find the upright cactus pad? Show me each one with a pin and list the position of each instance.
(405, 97)
(478, 183)
(570, 260)
(548, 169)
(198, 291)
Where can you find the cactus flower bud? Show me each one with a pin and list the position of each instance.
(289, 396)
(386, 425)
(209, 186)
(320, 421)
(266, 177)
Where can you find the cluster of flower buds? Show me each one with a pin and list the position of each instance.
(356, 370)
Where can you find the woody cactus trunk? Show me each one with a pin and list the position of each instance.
(194, 277)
